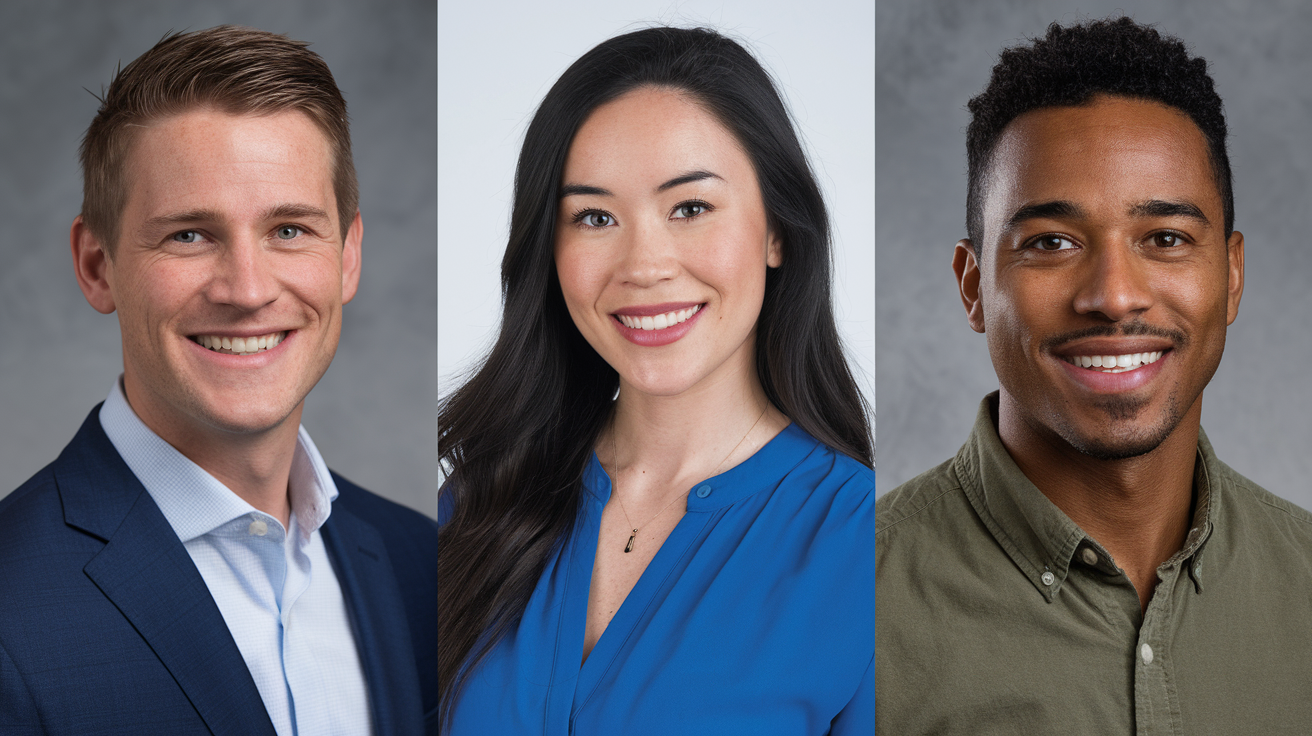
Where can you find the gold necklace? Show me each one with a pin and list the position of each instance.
(615, 458)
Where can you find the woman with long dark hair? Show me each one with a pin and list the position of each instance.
(660, 485)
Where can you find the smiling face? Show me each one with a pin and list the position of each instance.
(1107, 281)
(662, 243)
(230, 271)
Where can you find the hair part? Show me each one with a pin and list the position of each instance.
(235, 70)
(517, 436)
(1069, 67)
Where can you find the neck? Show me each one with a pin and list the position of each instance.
(1137, 508)
(658, 442)
(254, 465)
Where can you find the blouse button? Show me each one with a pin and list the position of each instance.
(1048, 578)
(703, 491)
(1146, 653)
(1090, 557)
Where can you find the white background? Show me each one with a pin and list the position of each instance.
(497, 60)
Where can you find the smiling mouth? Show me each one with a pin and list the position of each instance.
(659, 321)
(239, 345)
(1114, 363)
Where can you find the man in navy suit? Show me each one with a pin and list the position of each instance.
(188, 564)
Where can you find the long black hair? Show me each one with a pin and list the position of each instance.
(515, 438)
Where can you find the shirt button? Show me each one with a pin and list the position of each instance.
(1146, 652)
(258, 528)
(1090, 557)
(1048, 578)
(703, 491)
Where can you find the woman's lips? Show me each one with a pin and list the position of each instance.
(654, 330)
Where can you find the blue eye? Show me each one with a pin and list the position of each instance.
(187, 236)
(288, 232)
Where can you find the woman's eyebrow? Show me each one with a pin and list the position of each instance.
(573, 189)
(688, 178)
(577, 189)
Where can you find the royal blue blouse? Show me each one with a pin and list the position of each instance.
(757, 615)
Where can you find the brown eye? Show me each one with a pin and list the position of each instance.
(1166, 240)
(1053, 243)
(689, 210)
(596, 219)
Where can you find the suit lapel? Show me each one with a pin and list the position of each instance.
(146, 572)
(382, 633)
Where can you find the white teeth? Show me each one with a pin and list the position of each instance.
(240, 345)
(1116, 363)
(658, 322)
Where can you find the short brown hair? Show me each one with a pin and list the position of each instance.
(233, 69)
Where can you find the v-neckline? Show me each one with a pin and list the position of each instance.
(572, 630)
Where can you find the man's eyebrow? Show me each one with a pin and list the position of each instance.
(1054, 210)
(290, 211)
(570, 190)
(688, 178)
(1161, 208)
(182, 218)
(285, 211)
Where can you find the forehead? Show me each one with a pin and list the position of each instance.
(648, 133)
(1104, 155)
(211, 159)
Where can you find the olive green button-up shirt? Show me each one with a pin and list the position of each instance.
(997, 614)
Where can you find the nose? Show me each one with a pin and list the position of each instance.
(650, 255)
(245, 276)
(1114, 283)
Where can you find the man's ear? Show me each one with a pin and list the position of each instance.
(92, 266)
(966, 266)
(351, 258)
(1235, 282)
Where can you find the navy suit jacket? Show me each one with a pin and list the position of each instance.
(106, 626)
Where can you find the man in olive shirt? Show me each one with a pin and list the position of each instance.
(1085, 564)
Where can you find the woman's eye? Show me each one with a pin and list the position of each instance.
(1053, 243)
(1166, 240)
(596, 219)
(186, 236)
(288, 232)
(690, 209)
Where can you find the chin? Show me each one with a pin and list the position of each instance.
(1125, 437)
(258, 413)
(655, 382)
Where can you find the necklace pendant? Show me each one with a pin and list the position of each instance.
(629, 546)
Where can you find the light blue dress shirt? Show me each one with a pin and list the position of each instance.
(275, 587)
(757, 615)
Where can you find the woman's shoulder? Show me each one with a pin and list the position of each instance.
(824, 470)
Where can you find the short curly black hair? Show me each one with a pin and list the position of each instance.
(1068, 67)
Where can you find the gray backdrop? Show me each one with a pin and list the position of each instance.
(492, 75)
(374, 413)
(933, 55)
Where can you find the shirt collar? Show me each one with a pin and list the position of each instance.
(195, 502)
(762, 470)
(1040, 538)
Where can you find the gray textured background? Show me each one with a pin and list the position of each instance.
(492, 76)
(374, 413)
(932, 56)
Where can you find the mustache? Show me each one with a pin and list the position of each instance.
(1130, 329)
